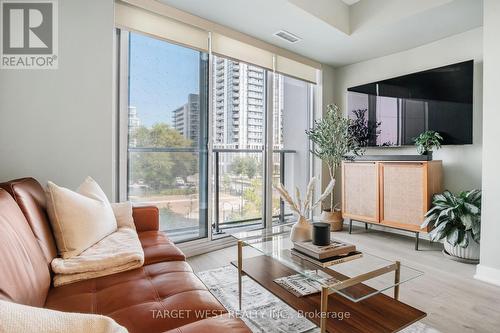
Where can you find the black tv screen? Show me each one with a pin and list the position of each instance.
(393, 112)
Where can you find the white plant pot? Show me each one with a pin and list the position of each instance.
(470, 252)
(301, 230)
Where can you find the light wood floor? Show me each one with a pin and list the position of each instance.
(454, 301)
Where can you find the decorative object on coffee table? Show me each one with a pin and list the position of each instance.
(334, 248)
(321, 234)
(302, 229)
(427, 141)
(457, 221)
(328, 262)
(333, 141)
(332, 253)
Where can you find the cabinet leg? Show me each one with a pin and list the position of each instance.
(350, 226)
(416, 241)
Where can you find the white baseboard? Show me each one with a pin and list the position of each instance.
(487, 274)
(202, 246)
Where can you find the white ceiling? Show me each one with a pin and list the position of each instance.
(350, 2)
(337, 34)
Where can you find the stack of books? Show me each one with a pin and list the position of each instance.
(328, 255)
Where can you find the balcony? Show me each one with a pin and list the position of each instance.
(234, 188)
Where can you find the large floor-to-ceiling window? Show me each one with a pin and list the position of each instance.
(167, 132)
(243, 95)
(238, 135)
(293, 108)
(207, 125)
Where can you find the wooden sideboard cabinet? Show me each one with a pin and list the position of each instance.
(390, 193)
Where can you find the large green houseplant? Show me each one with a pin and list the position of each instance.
(332, 142)
(456, 219)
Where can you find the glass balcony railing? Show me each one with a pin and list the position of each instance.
(168, 179)
(239, 189)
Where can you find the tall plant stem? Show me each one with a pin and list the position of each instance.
(331, 171)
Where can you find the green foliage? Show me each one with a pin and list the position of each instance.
(248, 166)
(363, 129)
(333, 141)
(452, 217)
(253, 198)
(427, 141)
(159, 170)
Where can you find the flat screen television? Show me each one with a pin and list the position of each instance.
(393, 112)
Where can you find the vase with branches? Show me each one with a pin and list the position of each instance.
(303, 206)
(333, 141)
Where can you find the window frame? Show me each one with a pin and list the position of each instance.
(122, 102)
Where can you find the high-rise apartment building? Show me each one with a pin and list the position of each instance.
(186, 119)
(239, 105)
(133, 124)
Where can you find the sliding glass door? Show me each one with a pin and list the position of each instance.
(167, 133)
(238, 118)
(293, 107)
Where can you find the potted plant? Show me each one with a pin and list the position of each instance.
(457, 221)
(301, 230)
(427, 141)
(332, 142)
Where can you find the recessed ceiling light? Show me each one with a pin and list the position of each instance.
(287, 36)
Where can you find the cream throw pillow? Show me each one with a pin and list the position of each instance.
(123, 214)
(17, 318)
(79, 219)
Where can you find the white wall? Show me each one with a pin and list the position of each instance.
(57, 124)
(462, 164)
(489, 268)
(329, 84)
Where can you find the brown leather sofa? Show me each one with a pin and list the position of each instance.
(163, 295)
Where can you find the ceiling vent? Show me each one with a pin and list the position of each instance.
(287, 36)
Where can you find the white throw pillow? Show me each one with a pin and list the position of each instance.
(16, 318)
(123, 214)
(79, 219)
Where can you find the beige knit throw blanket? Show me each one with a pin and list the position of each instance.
(18, 318)
(118, 252)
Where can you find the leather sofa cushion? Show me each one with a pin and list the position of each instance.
(222, 323)
(24, 274)
(143, 300)
(30, 197)
(158, 247)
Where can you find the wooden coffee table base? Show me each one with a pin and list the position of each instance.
(379, 313)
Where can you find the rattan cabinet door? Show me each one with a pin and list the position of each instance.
(360, 197)
(403, 194)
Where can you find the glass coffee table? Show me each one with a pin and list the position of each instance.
(356, 280)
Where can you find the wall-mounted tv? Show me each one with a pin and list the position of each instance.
(393, 112)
